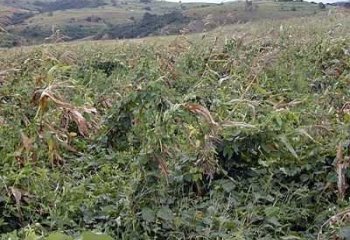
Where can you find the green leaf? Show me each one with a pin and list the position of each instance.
(279, 121)
(94, 236)
(165, 213)
(274, 221)
(31, 236)
(228, 186)
(148, 215)
(272, 211)
(59, 236)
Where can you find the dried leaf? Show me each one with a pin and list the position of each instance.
(89, 110)
(54, 157)
(340, 154)
(341, 169)
(41, 97)
(60, 103)
(202, 111)
(80, 121)
(163, 166)
(27, 142)
(36, 96)
(65, 119)
(2, 121)
(68, 57)
(17, 194)
(236, 124)
(2, 29)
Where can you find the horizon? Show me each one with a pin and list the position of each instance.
(220, 1)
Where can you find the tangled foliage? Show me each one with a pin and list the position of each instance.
(235, 140)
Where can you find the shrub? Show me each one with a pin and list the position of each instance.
(321, 5)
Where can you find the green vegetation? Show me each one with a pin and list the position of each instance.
(65, 4)
(8, 40)
(229, 135)
(150, 24)
(97, 19)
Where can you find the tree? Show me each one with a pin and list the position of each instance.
(321, 5)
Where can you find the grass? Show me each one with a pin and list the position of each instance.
(229, 134)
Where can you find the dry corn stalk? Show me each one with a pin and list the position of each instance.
(204, 112)
(341, 168)
(54, 156)
(71, 113)
(201, 111)
(68, 57)
(206, 158)
(25, 152)
(162, 165)
(19, 195)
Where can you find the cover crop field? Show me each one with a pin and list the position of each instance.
(239, 133)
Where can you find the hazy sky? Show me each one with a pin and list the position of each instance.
(219, 1)
(208, 1)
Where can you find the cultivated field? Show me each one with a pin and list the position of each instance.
(238, 133)
(96, 19)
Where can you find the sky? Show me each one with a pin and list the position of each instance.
(208, 1)
(219, 1)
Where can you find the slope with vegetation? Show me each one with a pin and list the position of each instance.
(36, 21)
(236, 134)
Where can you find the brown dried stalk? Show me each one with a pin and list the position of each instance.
(201, 111)
(71, 113)
(342, 166)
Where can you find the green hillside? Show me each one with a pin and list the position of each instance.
(33, 22)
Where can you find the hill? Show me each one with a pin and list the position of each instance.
(33, 22)
(238, 133)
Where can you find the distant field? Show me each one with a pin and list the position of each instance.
(266, 28)
(110, 14)
(109, 20)
(264, 10)
(62, 18)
